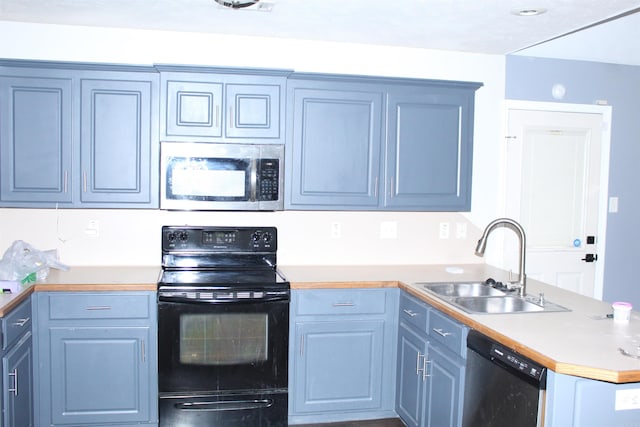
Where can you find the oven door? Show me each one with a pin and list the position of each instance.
(207, 347)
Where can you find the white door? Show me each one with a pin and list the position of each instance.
(555, 190)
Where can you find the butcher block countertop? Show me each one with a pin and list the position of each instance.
(87, 279)
(580, 342)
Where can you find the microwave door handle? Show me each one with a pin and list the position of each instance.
(254, 180)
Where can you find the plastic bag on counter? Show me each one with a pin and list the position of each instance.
(24, 263)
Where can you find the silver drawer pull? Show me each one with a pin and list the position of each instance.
(441, 332)
(343, 304)
(410, 312)
(21, 322)
(98, 307)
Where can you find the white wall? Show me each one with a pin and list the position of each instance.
(129, 237)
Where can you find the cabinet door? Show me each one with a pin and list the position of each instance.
(334, 139)
(339, 366)
(99, 375)
(17, 377)
(253, 111)
(411, 376)
(192, 110)
(445, 389)
(35, 139)
(118, 150)
(429, 149)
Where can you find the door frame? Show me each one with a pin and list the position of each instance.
(603, 203)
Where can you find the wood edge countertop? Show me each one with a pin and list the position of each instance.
(87, 279)
(408, 277)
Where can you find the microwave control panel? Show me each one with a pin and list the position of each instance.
(268, 177)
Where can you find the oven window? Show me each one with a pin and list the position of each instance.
(223, 339)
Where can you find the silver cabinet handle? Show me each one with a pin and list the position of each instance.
(418, 368)
(144, 353)
(301, 345)
(217, 116)
(230, 117)
(21, 322)
(441, 332)
(65, 178)
(84, 181)
(14, 374)
(410, 312)
(343, 304)
(425, 371)
(375, 188)
(98, 307)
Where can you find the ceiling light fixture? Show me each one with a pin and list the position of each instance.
(236, 4)
(529, 12)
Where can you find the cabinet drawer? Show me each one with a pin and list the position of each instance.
(345, 301)
(16, 323)
(448, 332)
(98, 306)
(414, 312)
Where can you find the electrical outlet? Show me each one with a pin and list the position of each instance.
(93, 228)
(444, 230)
(613, 204)
(627, 399)
(388, 230)
(336, 230)
(461, 230)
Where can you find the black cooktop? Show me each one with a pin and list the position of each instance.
(222, 278)
(216, 257)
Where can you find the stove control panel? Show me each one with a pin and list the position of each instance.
(218, 239)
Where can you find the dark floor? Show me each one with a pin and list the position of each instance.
(388, 422)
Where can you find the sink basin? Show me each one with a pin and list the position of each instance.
(463, 289)
(480, 298)
(494, 305)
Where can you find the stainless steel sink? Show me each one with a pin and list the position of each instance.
(496, 305)
(462, 289)
(481, 298)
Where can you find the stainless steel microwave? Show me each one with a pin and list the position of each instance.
(206, 176)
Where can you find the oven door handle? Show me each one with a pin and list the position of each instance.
(225, 405)
(185, 300)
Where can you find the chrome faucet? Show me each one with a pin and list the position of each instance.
(507, 222)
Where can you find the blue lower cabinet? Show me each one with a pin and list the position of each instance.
(445, 387)
(411, 381)
(431, 366)
(97, 359)
(342, 357)
(17, 368)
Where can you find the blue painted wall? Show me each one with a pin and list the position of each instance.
(531, 79)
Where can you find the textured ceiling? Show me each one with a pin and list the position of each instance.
(486, 26)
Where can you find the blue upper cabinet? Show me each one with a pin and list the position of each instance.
(74, 135)
(118, 144)
(222, 105)
(365, 143)
(333, 151)
(35, 139)
(429, 149)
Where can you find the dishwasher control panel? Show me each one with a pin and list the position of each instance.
(517, 361)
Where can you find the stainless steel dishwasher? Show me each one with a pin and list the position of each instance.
(502, 388)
